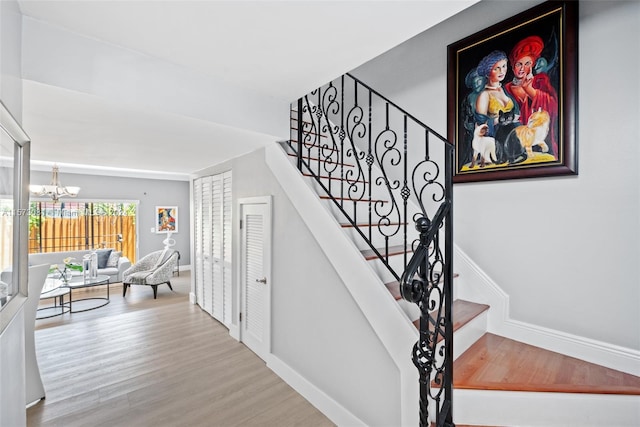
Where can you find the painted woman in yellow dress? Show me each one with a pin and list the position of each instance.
(495, 106)
(494, 99)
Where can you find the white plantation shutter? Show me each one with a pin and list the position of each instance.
(213, 207)
(227, 203)
(207, 275)
(197, 240)
(217, 239)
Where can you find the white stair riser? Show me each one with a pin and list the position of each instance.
(468, 334)
(377, 239)
(397, 264)
(464, 337)
(410, 309)
(536, 409)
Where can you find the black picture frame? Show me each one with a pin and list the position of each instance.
(496, 110)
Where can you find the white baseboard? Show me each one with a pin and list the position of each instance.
(324, 403)
(192, 298)
(35, 402)
(234, 332)
(479, 287)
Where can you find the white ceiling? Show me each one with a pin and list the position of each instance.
(275, 49)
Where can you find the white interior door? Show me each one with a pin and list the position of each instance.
(255, 325)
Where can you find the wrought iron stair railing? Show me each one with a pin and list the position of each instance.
(382, 168)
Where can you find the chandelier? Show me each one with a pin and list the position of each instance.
(55, 190)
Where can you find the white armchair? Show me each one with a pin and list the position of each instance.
(152, 270)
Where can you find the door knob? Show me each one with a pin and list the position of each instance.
(263, 280)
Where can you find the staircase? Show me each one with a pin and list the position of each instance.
(497, 381)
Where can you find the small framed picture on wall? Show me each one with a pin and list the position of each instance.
(166, 219)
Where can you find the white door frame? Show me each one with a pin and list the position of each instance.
(237, 331)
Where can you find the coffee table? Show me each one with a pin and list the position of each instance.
(56, 289)
(78, 282)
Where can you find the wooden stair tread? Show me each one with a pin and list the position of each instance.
(394, 288)
(499, 363)
(466, 311)
(463, 313)
(369, 254)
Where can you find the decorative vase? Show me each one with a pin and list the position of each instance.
(86, 267)
(94, 265)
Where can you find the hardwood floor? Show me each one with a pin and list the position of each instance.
(163, 362)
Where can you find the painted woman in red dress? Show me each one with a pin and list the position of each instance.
(530, 91)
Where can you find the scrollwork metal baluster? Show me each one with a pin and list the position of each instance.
(310, 132)
(387, 156)
(329, 153)
(356, 147)
(342, 134)
(318, 120)
(405, 192)
(356, 130)
(299, 135)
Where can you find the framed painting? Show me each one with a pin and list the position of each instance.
(166, 219)
(512, 97)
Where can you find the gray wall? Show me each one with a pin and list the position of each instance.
(565, 250)
(311, 306)
(149, 192)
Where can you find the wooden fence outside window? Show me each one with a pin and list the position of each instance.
(70, 226)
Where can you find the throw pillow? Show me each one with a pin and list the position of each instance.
(103, 257)
(113, 259)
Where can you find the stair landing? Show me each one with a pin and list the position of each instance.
(499, 363)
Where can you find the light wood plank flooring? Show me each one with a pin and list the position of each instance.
(164, 362)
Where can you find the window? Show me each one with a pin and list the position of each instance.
(14, 178)
(8, 287)
(72, 226)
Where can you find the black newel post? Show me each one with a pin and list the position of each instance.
(418, 285)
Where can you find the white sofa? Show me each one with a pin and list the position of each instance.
(114, 272)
